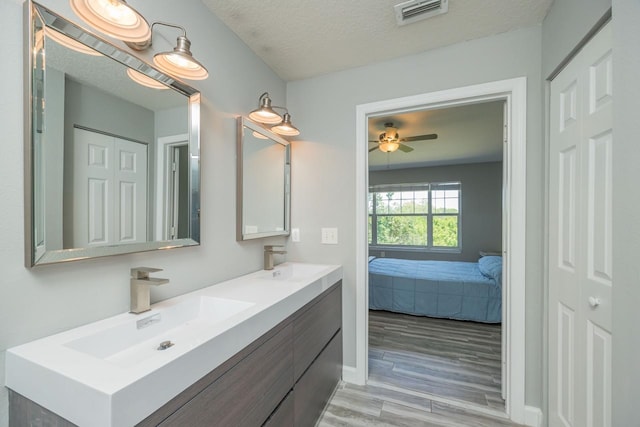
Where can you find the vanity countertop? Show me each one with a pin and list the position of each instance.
(75, 376)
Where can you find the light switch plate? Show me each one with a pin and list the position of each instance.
(295, 234)
(329, 236)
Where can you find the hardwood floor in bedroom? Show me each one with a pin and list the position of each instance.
(424, 372)
(449, 358)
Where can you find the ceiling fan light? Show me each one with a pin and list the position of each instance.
(286, 128)
(388, 146)
(264, 113)
(114, 18)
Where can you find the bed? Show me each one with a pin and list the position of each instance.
(447, 289)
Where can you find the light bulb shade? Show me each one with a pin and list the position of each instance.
(388, 146)
(259, 135)
(68, 42)
(180, 62)
(144, 80)
(285, 127)
(264, 113)
(113, 17)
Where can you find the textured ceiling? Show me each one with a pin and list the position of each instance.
(302, 39)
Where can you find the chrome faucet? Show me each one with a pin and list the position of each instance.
(268, 255)
(140, 294)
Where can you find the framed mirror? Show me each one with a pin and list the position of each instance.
(263, 183)
(112, 165)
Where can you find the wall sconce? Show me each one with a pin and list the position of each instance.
(144, 80)
(265, 114)
(117, 19)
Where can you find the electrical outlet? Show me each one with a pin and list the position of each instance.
(295, 234)
(329, 236)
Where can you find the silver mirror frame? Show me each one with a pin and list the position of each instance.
(32, 11)
(243, 122)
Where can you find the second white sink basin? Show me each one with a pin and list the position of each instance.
(294, 272)
(140, 337)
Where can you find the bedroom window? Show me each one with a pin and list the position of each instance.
(415, 215)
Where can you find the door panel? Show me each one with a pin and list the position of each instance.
(580, 253)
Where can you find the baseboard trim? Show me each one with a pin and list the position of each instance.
(350, 375)
(532, 416)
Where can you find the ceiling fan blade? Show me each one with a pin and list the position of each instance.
(373, 149)
(405, 148)
(420, 137)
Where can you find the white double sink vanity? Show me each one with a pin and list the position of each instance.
(270, 333)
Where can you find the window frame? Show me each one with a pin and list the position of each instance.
(429, 187)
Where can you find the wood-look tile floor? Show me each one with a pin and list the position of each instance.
(424, 372)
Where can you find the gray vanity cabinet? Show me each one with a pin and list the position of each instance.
(283, 379)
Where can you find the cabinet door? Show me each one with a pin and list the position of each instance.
(314, 327)
(247, 393)
(315, 387)
(283, 415)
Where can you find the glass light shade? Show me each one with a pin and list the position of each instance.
(143, 80)
(113, 17)
(180, 62)
(70, 43)
(286, 128)
(388, 146)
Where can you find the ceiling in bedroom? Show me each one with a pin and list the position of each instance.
(466, 134)
(303, 39)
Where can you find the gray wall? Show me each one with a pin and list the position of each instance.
(626, 212)
(566, 23)
(481, 208)
(39, 302)
(323, 170)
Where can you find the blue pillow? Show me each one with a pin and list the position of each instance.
(491, 267)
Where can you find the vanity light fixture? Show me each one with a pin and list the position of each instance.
(113, 17)
(180, 61)
(144, 80)
(286, 128)
(117, 19)
(265, 114)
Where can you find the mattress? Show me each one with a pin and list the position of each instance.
(447, 289)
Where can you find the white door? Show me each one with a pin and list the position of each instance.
(580, 201)
(110, 190)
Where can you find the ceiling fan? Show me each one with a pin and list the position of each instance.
(389, 140)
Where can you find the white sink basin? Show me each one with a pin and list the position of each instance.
(139, 339)
(110, 372)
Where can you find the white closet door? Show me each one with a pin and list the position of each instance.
(580, 202)
(110, 190)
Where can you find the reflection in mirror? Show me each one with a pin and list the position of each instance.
(112, 166)
(264, 182)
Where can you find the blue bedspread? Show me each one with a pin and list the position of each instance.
(454, 290)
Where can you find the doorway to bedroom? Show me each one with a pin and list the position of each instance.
(455, 338)
(435, 208)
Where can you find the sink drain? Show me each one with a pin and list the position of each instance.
(165, 345)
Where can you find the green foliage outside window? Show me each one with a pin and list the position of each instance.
(403, 218)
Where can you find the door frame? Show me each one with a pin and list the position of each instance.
(514, 93)
(162, 180)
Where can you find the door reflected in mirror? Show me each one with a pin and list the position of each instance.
(113, 165)
(264, 180)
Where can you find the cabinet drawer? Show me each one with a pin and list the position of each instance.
(315, 387)
(314, 327)
(247, 393)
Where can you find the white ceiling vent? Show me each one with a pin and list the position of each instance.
(416, 10)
